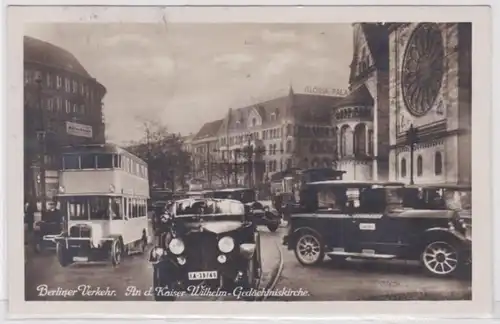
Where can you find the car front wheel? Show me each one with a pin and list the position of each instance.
(441, 258)
(160, 286)
(116, 252)
(309, 250)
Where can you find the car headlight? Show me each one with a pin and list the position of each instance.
(226, 244)
(176, 246)
(157, 252)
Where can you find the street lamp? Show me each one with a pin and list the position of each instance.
(412, 139)
(41, 133)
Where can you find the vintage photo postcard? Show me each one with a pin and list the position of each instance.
(249, 161)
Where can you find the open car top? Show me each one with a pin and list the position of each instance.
(441, 186)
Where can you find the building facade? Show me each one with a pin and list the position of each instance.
(430, 89)
(62, 106)
(203, 154)
(294, 130)
(361, 118)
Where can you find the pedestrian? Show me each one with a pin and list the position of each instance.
(30, 215)
(278, 201)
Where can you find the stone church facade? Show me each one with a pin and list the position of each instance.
(430, 88)
(362, 117)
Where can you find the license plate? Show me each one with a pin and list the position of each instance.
(258, 211)
(80, 259)
(202, 275)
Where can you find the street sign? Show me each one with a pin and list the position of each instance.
(79, 130)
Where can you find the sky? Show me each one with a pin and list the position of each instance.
(183, 75)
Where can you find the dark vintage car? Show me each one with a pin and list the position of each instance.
(52, 223)
(261, 214)
(207, 242)
(367, 220)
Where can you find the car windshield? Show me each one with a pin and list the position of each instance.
(439, 198)
(209, 207)
(358, 200)
(244, 196)
(457, 199)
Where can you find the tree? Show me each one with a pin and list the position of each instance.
(168, 164)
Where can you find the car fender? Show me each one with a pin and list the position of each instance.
(247, 250)
(292, 240)
(445, 232)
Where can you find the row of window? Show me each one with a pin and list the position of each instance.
(438, 165)
(89, 161)
(104, 208)
(56, 104)
(134, 207)
(354, 142)
(322, 147)
(316, 162)
(50, 81)
(273, 117)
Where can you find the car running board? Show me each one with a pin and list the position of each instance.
(361, 255)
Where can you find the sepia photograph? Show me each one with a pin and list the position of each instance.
(272, 162)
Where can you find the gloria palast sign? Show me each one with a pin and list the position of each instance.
(326, 91)
(79, 130)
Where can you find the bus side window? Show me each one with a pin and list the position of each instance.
(124, 207)
(114, 208)
(116, 161)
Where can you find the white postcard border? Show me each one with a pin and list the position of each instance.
(481, 165)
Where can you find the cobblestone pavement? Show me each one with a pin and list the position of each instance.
(134, 271)
(366, 280)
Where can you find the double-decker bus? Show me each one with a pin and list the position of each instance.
(103, 195)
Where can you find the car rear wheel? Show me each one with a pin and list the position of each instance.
(309, 250)
(441, 258)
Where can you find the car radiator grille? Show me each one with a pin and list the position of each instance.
(79, 231)
(201, 251)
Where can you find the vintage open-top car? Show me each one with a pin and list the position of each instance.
(354, 219)
(208, 242)
(261, 214)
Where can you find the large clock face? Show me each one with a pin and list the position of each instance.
(423, 69)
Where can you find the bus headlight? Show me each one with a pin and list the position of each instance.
(226, 244)
(176, 246)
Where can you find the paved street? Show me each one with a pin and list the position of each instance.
(363, 280)
(353, 280)
(134, 271)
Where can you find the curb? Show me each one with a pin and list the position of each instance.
(275, 273)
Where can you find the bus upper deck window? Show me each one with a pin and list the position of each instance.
(71, 162)
(87, 161)
(104, 161)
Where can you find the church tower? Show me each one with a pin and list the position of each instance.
(362, 117)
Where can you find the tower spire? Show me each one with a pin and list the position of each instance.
(290, 89)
